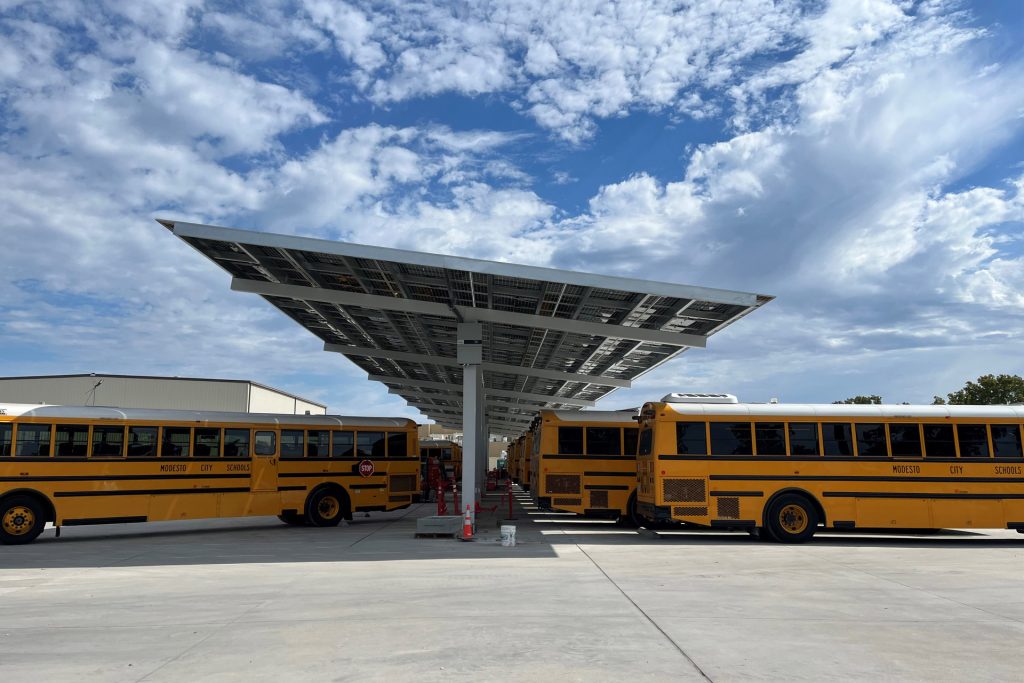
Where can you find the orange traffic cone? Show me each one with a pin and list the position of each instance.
(467, 525)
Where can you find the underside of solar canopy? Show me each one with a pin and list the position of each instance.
(548, 338)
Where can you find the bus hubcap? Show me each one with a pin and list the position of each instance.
(793, 519)
(329, 507)
(18, 520)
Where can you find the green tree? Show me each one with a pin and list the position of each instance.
(989, 390)
(863, 400)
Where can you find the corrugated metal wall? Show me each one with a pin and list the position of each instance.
(149, 392)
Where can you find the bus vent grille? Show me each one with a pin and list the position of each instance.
(567, 501)
(403, 482)
(690, 511)
(684, 491)
(399, 499)
(729, 508)
(562, 483)
(598, 499)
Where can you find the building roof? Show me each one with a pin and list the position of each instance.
(551, 338)
(102, 375)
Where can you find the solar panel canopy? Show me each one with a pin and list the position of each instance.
(549, 338)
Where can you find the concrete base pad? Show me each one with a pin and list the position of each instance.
(436, 525)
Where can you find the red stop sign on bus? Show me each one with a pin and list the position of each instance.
(366, 468)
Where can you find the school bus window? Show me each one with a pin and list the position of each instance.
(318, 443)
(973, 441)
(771, 438)
(344, 444)
(905, 440)
(691, 438)
(604, 441)
(731, 438)
(33, 440)
(871, 441)
(398, 445)
(207, 443)
(107, 441)
(175, 443)
(644, 444)
(142, 442)
(370, 444)
(570, 440)
(837, 438)
(5, 439)
(629, 435)
(71, 441)
(803, 438)
(266, 443)
(1005, 441)
(938, 441)
(291, 443)
(236, 443)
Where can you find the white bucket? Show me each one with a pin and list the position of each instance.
(508, 535)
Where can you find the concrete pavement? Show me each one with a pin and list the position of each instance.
(575, 600)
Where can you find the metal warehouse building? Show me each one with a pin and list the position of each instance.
(174, 393)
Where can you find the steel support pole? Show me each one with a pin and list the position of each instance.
(470, 355)
(481, 441)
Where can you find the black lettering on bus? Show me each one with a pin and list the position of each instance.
(906, 469)
(1010, 469)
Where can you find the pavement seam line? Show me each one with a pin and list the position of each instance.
(385, 526)
(641, 610)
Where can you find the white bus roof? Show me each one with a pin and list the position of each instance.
(885, 410)
(201, 416)
(584, 416)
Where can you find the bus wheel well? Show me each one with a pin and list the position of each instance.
(795, 491)
(51, 514)
(338, 490)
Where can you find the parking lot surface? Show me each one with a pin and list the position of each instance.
(578, 600)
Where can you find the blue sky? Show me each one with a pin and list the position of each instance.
(863, 161)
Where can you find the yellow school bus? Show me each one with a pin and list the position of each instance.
(586, 462)
(786, 470)
(515, 462)
(447, 453)
(73, 465)
(526, 459)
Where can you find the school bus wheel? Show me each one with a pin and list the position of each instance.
(631, 517)
(292, 518)
(21, 520)
(327, 507)
(792, 518)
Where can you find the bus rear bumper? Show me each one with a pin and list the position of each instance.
(655, 513)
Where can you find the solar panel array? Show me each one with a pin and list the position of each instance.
(552, 339)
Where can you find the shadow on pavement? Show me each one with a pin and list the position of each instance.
(390, 537)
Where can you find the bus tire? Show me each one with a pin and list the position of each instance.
(327, 506)
(631, 517)
(792, 518)
(22, 519)
(292, 518)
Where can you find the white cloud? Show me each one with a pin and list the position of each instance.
(842, 189)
